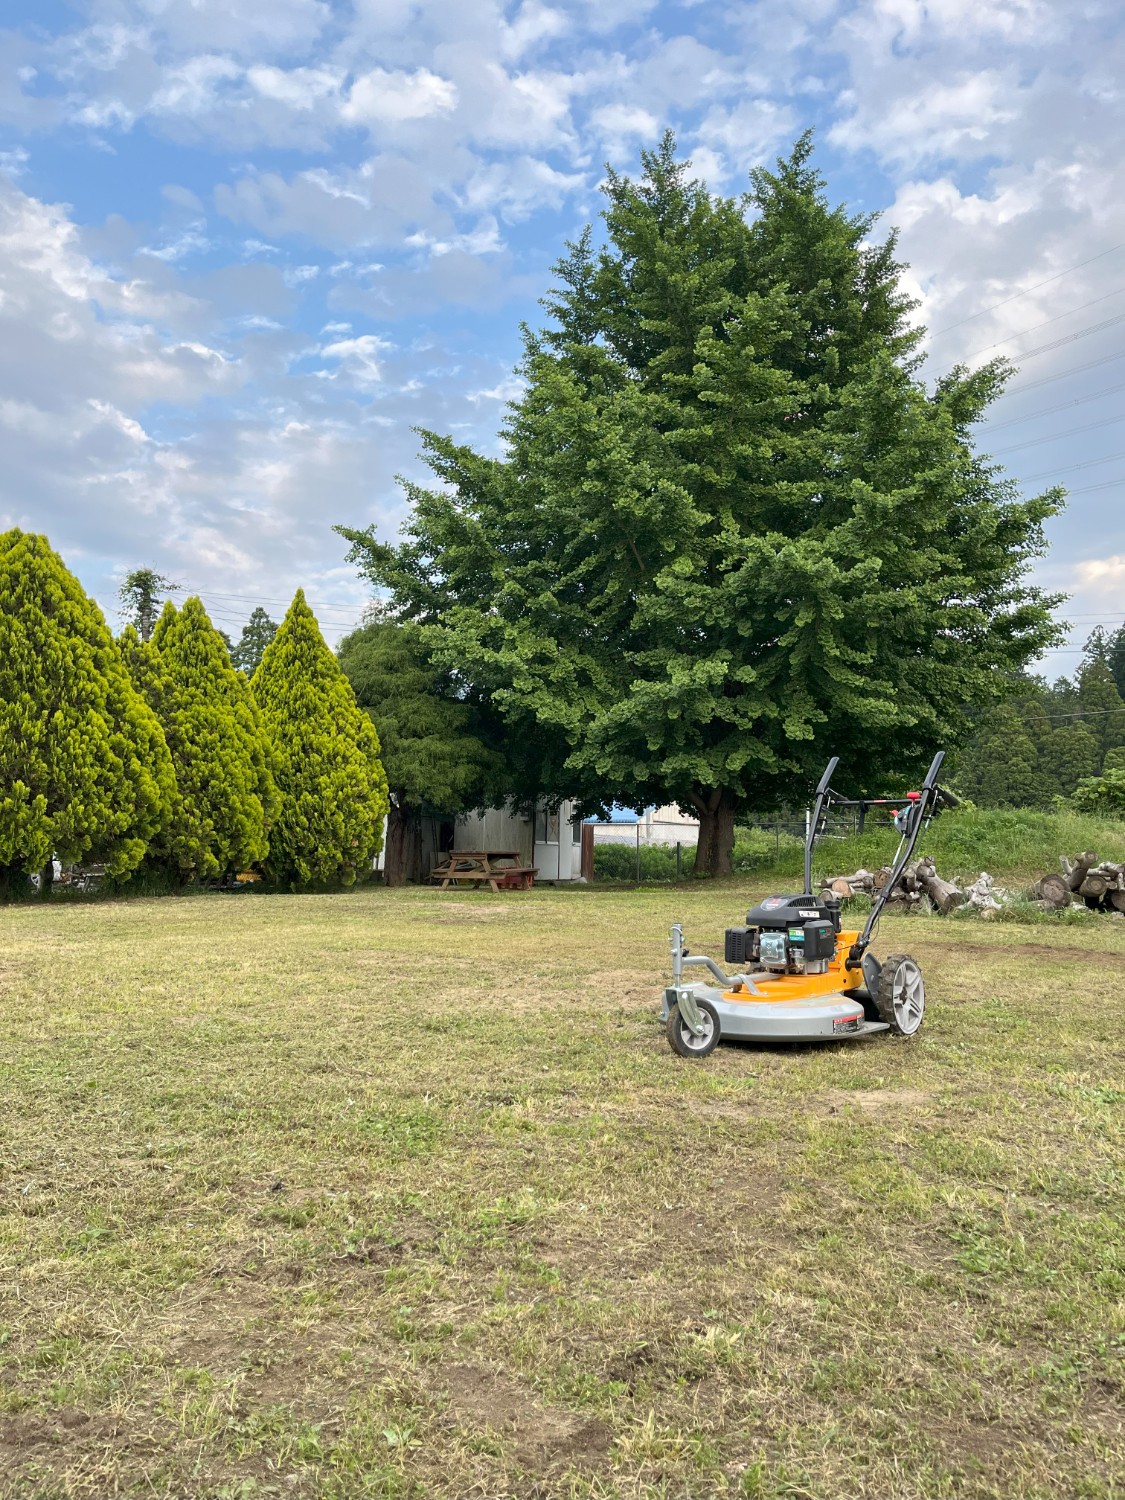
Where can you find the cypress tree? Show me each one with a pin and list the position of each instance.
(226, 794)
(433, 744)
(333, 785)
(84, 769)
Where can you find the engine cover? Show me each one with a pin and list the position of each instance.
(789, 911)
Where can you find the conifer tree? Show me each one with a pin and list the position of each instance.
(333, 786)
(257, 633)
(84, 769)
(226, 797)
(433, 743)
(733, 533)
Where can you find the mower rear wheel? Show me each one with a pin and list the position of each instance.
(684, 1041)
(901, 995)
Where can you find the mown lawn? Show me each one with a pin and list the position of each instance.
(404, 1194)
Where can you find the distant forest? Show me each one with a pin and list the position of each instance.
(1043, 739)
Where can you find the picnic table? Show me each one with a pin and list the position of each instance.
(497, 868)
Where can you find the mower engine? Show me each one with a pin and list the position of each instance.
(787, 934)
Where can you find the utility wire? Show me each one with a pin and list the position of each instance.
(1035, 326)
(1062, 406)
(1088, 489)
(1056, 437)
(1072, 468)
(949, 327)
(1018, 390)
(1079, 333)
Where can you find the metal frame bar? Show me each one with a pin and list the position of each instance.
(922, 811)
(824, 800)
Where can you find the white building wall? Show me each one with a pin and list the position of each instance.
(546, 842)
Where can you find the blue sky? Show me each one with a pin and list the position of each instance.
(245, 248)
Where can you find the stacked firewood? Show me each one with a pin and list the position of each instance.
(1100, 885)
(920, 885)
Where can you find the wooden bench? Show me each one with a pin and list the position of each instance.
(499, 869)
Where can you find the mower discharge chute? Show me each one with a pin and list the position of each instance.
(800, 978)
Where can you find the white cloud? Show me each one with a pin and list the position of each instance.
(942, 120)
(380, 97)
(534, 23)
(1104, 575)
(359, 359)
(620, 120)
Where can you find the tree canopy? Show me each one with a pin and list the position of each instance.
(1044, 740)
(257, 633)
(732, 531)
(333, 786)
(436, 760)
(226, 797)
(141, 596)
(84, 769)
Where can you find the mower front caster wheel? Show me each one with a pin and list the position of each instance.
(684, 1041)
(901, 994)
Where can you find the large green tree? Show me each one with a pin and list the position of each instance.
(84, 769)
(434, 744)
(226, 799)
(141, 595)
(333, 785)
(257, 633)
(1116, 658)
(733, 532)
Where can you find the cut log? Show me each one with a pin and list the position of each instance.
(842, 888)
(1079, 868)
(1094, 886)
(943, 893)
(882, 877)
(1117, 900)
(1052, 891)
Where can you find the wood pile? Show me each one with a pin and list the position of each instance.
(1100, 885)
(920, 885)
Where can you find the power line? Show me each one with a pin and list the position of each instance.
(1072, 468)
(1109, 484)
(1018, 390)
(1062, 406)
(258, 599)
(1056, 437)
(1079, 333)
(1017, 295)
(1035, 326)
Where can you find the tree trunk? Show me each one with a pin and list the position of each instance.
(401, 857)
(1083, 864)
(942, 893)
(47, 877)
(715, 846)
(1053, 890)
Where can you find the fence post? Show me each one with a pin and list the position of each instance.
(679, 860)
(638, 851)
(777, 841)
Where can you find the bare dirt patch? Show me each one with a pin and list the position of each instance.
(539, 1435)
(27, 1436)
(877, 1101)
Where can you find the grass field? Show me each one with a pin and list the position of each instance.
(404, 1194)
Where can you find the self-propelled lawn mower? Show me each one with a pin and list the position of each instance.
(800, 978)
